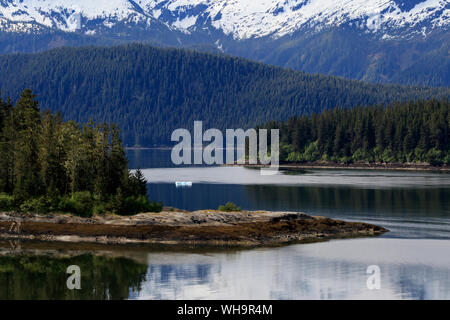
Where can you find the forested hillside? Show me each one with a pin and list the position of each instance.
(149, 92)
(399, 133)
(353, 55)
(346, 53)
(391, 41)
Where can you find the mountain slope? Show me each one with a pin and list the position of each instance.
(150, 92)
(242, 19)
(369, 40)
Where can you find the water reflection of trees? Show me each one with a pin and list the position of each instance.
(431, 201)
(41, 277)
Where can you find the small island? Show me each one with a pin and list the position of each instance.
(173, 226)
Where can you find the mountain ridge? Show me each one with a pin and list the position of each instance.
(243, 19)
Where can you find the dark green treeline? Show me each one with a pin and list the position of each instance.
(47, 164)
(401, 133)
(149, 92)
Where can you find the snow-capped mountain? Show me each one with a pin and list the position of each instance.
(240, 19)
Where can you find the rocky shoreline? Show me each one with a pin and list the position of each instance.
(172, 226)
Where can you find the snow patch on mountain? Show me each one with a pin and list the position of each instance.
(242, 19)
(67, 15)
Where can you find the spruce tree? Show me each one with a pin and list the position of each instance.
(28, 182)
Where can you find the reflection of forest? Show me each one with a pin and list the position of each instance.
(41, 277)
(431, 201)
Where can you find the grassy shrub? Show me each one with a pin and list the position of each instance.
(134, 205)
(6, 202)
(435, 157)
(80, 203)
(447, 159)
(127, 206)
(36, 205)
(155, 206)
(101, 208)
(229, 207)
(83, 204)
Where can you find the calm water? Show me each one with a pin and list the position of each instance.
(414, 258)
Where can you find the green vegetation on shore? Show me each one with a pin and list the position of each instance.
(48, 165)
(414, 132)
(229, 207)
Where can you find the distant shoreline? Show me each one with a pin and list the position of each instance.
(331, 165)
(170, 148)
(355, 166)
(179, 227)
(147, 148)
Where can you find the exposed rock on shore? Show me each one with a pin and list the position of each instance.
(174, 226)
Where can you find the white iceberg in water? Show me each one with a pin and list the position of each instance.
(183, 184)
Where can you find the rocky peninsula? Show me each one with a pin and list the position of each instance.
(173, 226)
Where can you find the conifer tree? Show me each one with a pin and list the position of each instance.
(118, 162)
(27, 122)
(5, 146)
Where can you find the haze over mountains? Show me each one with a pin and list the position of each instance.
(150, 91)
(394, 41)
